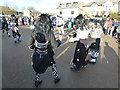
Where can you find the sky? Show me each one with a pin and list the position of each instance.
(40, 5)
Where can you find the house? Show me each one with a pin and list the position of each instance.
(28, 13)
(69, 10)
(109, 7)
(93, 8)
(101, 7)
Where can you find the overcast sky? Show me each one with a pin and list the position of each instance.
(40, 5)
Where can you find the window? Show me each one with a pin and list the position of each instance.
(72, 12)
(109, 8)
(68, 4)
(106, 8)
(75, 3)
(60, 12)
(61, 5)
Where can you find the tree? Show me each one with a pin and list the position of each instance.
(6, 10)
(31, 8)
(114, 15)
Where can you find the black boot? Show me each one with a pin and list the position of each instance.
(37, 83)
(74, 68)
(85, 64)
(19, 40)
(54, 71)
(8, 34)
(56, 80)
(92, 61)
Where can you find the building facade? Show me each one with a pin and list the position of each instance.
(69, 10)
(92, 9)
(101, 8)
(28, 13)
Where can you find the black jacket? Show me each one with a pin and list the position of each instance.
(41, 61)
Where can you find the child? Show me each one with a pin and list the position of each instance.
(16, 34)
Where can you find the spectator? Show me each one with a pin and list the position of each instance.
(106, 26)
(115, 24)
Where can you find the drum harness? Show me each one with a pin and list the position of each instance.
(41, 48)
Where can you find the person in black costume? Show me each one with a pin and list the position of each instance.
(80, 51)
(5, 27)
(79, 57)
(43, 41)
(16, 34)
(14, 27)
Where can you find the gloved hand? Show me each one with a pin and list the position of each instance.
(32, 47)
(59, 42)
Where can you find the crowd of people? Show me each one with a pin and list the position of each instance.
(110, 28)
(11, 24)
(87, 35)
(88, 38)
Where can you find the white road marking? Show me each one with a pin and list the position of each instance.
(62, 52)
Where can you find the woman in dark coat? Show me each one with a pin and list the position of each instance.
(80, 51)
(79, 56)
(43, 41)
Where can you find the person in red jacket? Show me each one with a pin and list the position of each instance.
(106, 26)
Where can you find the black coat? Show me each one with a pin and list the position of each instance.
(80, 54)
(4, 23)
(41, 63)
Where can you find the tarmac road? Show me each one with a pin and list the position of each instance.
(18, 73)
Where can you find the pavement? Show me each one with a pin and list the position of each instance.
(18, 73)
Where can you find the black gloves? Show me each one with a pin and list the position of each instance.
(32, 46)
(59, 42)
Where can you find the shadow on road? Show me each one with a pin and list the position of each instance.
(110, 54)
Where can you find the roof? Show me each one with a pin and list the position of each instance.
(91, 3)
(70, 5)
(100, 2)
(114, 1)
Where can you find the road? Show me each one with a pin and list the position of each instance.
(18, 73)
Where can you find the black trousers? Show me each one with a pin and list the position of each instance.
(98, 44)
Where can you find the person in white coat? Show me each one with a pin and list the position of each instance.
(60, 26)
(94, 48)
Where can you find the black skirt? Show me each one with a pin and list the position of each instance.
(80, 54)
(42, 62)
